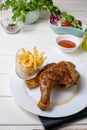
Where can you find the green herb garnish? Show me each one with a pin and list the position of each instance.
(21, 8)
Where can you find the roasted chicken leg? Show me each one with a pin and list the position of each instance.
(62, 74)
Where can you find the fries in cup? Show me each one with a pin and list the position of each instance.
(28, 63)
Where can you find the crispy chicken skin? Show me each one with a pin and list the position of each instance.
(62, 74)
(34, 82)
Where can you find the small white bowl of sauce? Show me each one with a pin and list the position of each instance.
(68, 43)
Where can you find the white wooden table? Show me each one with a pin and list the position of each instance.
(13, 117)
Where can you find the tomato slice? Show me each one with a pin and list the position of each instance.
(79, 22)
(68, 24)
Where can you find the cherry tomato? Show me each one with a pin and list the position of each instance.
(79, 22)
(68, 24)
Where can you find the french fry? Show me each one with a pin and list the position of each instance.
(36, 51)
(23, 50)
(35, 58)
(31, 60)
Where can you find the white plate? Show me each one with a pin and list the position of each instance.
(68, 102)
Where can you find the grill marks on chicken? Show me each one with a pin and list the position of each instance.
(61, 75)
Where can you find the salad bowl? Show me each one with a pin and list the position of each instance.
(68, 30)
(65, 23)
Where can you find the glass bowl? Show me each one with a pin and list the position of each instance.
(11, 27)
(22, 70)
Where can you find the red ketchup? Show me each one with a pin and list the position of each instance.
(67, 44)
